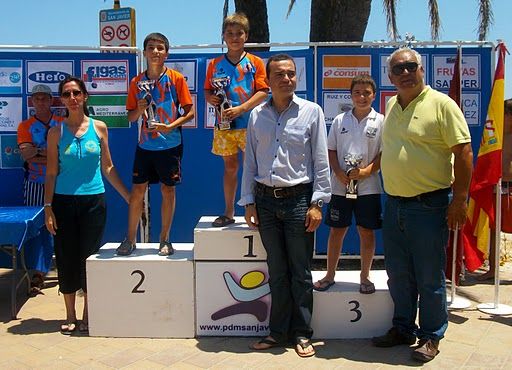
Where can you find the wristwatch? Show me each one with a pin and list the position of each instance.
(319, 203)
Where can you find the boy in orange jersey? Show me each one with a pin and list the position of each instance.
(235, 83)
(161, 97)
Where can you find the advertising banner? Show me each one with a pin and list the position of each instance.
(10, 113)
(10, 76)
(11, 157)
(110, 109)
(105, 76)
(232, 299)
(48, 72)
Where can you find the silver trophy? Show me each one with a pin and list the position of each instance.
(353, 161)
(146, 86)
(220, 84)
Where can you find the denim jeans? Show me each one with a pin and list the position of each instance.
(289, 253)
(415, 234)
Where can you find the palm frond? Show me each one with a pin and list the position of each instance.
(435, 21)
(290, 7)
(485, 18)
(390, 10)
(225, 9)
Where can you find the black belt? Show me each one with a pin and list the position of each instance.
(284, 192)
(420, 197)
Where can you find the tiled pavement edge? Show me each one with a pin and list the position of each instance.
(474, 340)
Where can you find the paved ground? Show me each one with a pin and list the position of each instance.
(474, 340)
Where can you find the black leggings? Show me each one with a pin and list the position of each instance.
(80, 225)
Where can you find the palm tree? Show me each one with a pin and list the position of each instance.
(256, 12)
(346, 20)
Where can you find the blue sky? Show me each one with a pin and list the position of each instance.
(185, 22)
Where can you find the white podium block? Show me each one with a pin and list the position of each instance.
(232, 298)
(141, 295)
(342, 312)
(235, 242)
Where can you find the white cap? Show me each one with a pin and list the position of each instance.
(43, 89)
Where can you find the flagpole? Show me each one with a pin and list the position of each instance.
(456, 303)
(495, 308)
(497, 245)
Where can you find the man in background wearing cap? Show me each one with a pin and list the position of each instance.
(32, 135)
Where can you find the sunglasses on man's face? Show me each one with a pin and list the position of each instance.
(75, 93)
(398, 69)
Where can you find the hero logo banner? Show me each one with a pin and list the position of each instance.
(49, 72)
(339, 70)
(10, 76)
(105, 76)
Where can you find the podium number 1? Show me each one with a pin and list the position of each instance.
(137, 286)
(250, 249)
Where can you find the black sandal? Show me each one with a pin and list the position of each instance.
(304, 343)
(222, 221)
(126, 248)
(168, 252)
(68, 328)
(270, 343)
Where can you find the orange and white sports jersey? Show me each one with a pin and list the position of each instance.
(169, 93)
(240, 81)
(35, 132)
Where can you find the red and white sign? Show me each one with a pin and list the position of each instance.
(117, 27)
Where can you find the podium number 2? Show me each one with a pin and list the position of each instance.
(137, 286)
(356, 310)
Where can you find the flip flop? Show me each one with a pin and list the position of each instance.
(126, 248)
(165, 252)
(324, 285)
(304, 343)
(485, 276)
(270, 343)
(222, 221)
(68, 328)
(366, 288)
(83, 328)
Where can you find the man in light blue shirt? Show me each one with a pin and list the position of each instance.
(285, 182)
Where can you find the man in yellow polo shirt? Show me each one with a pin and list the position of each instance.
(426, 154)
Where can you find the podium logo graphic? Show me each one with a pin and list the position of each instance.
(248, 293)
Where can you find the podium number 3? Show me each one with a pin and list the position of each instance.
(137, 286)
(356, 310)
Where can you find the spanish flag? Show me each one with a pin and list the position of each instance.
(487, 172)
